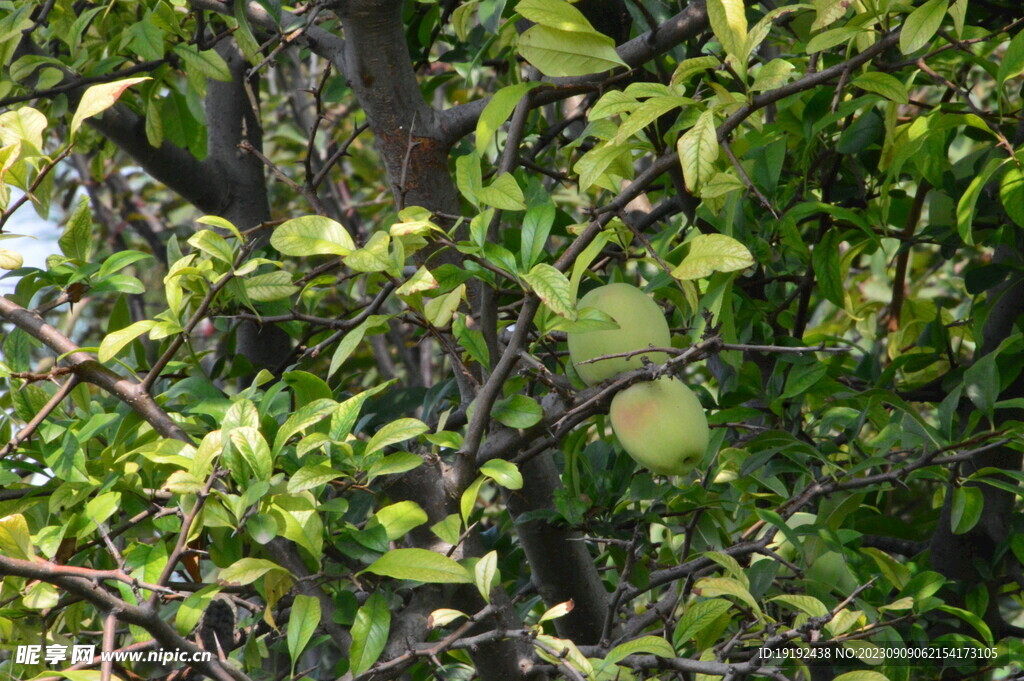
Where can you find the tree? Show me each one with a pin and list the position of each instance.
(296, 394)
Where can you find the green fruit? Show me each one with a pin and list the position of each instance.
(641, 325)
(781, 545)
(662, 425)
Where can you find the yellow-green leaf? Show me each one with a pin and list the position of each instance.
(698, 151)
(553, 288)
(312, 235)
(713, 253)
(99, 98)
(729, 24)
(420, 565)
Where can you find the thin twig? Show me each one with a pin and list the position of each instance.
(12, 209)
(197, 316)
(312, 198)
(747, 181)
(337, 155)
(38, 419)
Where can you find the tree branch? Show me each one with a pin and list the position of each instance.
(459, 121)
(91, 371)
(144, 616)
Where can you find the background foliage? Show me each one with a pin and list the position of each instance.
(296, 391)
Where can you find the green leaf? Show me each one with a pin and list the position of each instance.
(448, 530)
(15, 538)
(207, 62)
(468, 499)
(645, 645)
(312, 235)
(689, 68)
(731, 566)
(1017, 546)
(25, 126)
(302, 624)
(711, 253)
(559, 53)
(808, 604)
(556, 611)
(699, 617)
(399, 518)
(552, 287)
(981, 382)
(113, 342)
(828, 11)
(486, 575)
(1011, 193)
(439, 310)
(698, 151)
(537, 225)
(419, 282)
(41, 596)
(147, 39)
(472, 340)
(861, 675)
(468, 176)
(504, 193)
(503, 472)
(76, 241)
(373, 257)
(802, 378)
(965, 207)
(827, 268)
(883, 84)
(344, 418)
(517, 411)
(647, 113)
(420, 565)
(1012, 63)
(725, 586)
(772, 75)
(958, 10)
(99, 98)
(248, 570)
(729, 24)
(392, 464)
(218, 221)
(369, 633)
(303, 418)
(897, 574)
(346, 347)
(212, 244)
(972, 619)
(192, 608)
(602, 164)
(311, 476)
(720, 184)
(118, 261)
(264, 288)
(443, 616)
(921, 25)
(395, 432)
(555, 14)
(498, 109)
(462, 19)
(830, 38)
(254, 449)
(968, 503)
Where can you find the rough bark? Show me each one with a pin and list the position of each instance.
(560, 564)
(958, 555)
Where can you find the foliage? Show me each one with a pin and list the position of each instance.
(296, 389)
